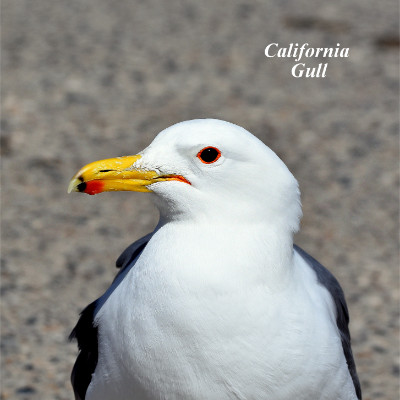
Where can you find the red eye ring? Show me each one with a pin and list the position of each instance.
(209, 155)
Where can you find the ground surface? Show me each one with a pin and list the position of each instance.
(84, 80)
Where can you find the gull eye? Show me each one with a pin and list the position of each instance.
(209, 155)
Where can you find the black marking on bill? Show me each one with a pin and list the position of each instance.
(81, 187)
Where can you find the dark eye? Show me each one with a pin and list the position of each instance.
(209, 155)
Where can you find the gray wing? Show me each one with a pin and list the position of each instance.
(326, 279)
(131, 252)
(85, 332)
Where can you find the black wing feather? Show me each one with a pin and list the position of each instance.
(326, 279)
(86, 334)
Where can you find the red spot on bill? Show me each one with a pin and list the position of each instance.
(94, 187)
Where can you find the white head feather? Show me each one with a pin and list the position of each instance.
(248, 181)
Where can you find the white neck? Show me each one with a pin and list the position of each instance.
(251, 252)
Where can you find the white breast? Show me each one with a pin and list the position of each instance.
(188, 325)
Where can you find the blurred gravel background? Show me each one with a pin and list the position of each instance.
(90, 79)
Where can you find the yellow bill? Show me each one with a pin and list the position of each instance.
(116, 174)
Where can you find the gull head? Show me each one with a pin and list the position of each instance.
(203, 169)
